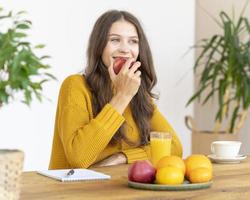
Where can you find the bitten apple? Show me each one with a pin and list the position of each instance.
(141, 171)
(119, 62)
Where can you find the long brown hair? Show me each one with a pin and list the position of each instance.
(99, 81)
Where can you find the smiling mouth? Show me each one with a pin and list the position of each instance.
(120, 57)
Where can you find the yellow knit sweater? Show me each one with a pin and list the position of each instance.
(81, 140)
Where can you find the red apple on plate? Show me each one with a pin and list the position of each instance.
(141, 171)
(118, 64)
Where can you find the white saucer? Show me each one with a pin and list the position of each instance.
(236, 159)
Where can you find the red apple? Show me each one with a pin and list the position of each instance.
(119, 62)
(142, 171)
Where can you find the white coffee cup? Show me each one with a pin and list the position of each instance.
(225, 149)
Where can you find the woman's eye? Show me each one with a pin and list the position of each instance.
(114, 40)
(134, 41)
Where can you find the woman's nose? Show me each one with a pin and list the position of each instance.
(124, 47)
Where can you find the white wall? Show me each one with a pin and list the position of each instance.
(64, 26)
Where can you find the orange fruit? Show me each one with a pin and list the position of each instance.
(172, 161)
(169, 175)
(200, 175)
(197, 161)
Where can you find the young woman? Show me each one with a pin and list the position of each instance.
(105, 116)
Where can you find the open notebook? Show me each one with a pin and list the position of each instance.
(79, 175)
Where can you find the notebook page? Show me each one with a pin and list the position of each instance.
(79, 175)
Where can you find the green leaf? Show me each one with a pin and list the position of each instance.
(3, 96)
(51, 76)
(43, 81)
(20, 35)
(28, 22)
(239, 24)
(27, 44)
(27, 97)
(22, 26)
(197, 94)
(45, 57)
(39, 46)
(233, 119)
(38, 95)
(21, 12)
(205, 49)
(4, 17)
(210, 94)
(36, 86)
(10, 14)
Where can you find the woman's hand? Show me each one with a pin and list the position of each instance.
(115, 159)
(125, 84)
(128, 80)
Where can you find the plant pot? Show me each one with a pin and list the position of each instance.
(201, 140)
(11, 166)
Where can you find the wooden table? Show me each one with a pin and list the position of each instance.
(231, 181)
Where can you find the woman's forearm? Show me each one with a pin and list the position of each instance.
(120, 102)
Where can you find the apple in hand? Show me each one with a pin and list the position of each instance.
(119, 62)
(141, 171)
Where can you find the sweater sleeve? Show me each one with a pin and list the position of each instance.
(140, 153)
(84, 138)
(158, 123)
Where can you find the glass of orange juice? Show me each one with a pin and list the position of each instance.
(160, 145)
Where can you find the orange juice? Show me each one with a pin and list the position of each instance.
(160, 146)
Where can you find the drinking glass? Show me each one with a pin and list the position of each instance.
(160, 145)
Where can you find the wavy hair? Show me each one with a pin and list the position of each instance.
(99, 81)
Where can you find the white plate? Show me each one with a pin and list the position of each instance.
(236, 159)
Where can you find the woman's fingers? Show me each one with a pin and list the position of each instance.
(127, 65)
(111, 69)
(128, 80)
(134, 67)
(138, 73)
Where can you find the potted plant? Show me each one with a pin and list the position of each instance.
(22, 72)
(224, 68)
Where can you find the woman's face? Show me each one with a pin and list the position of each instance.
(122, 41)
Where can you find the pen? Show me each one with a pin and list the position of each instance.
(70, 172)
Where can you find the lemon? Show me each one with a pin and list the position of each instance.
(169, 175)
